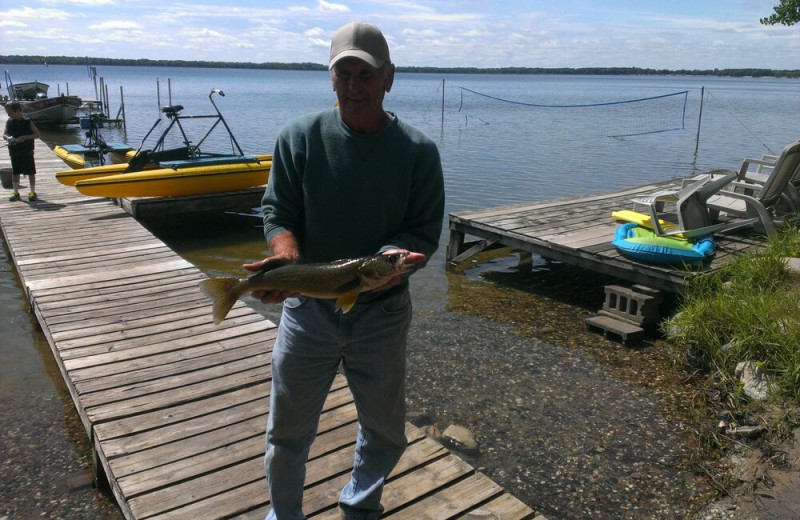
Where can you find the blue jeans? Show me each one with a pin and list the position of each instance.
(370, 344)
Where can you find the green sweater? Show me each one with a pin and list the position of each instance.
(344, 194)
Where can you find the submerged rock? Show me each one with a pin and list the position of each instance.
(461, 437)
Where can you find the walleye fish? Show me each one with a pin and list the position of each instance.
(342, 280)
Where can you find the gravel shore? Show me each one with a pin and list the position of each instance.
(561, 417)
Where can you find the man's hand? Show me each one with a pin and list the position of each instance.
(412, 258)
(285, 249)
(269, 296)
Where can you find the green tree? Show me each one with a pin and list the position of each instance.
(787, 13)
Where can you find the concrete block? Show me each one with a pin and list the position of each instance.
(637, 305)
(608, 324)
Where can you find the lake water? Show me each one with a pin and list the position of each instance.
(499, 146)
(493, 152)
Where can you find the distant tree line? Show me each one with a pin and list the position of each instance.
(611, 71)
(626, 71)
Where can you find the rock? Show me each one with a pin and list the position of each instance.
(461, 437)
(793, 264)
(672, 328)
(754, 380)
(433, 432)
(750, 432)
(419, 419)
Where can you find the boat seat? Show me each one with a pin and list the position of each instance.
(118, 147)
(209, 161)
(109, 147)
(172, 110)
(139, 161)
(172, 154)
(76, 148)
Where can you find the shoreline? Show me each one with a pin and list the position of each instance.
(740, 72)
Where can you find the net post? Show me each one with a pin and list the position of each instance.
(442, 104)
(699, 120)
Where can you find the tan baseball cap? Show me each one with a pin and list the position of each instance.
(362, 41)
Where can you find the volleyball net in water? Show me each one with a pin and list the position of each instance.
(625, 118)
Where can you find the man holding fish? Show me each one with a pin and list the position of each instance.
(351, 182)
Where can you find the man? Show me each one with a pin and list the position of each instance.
(20, 133)
(347, 182)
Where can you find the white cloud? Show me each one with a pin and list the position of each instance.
(329, 6)
(82, 3)
(315, 32)
(39, 14)
(54, 35)
(116, 25)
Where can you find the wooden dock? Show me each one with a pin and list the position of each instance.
(158, 207)
(579, 231)
(175, 406)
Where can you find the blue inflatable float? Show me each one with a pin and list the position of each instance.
(644, 245)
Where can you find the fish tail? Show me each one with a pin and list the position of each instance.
(223, 295)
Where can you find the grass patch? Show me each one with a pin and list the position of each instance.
(747, 311)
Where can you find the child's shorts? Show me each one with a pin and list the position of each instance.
(23, 165)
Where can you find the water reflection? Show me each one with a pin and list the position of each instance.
(46, 460)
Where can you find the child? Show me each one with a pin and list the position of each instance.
(19, 134)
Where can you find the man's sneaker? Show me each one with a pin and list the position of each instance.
(31, 196)
(14, 196)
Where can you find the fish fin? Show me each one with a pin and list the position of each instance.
(222, 295)
(346, 301)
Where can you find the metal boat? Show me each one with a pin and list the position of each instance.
(40, 108)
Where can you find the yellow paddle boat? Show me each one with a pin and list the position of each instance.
(94, 148)
(174, 172)
(183, 178)
(76, 155)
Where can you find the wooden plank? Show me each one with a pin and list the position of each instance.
(52, 282)
(169, 341)
(156, 361)
(452, 501)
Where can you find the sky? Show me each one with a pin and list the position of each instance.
(659, 34)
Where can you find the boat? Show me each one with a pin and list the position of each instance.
(53, 111)
(76, 155)
(642, 244)
(94, 148)
(183, 178)
(175, 172)
(40, 108)
(29, 89)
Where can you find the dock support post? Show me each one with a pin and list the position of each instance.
(455, 255)
(454, 245)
